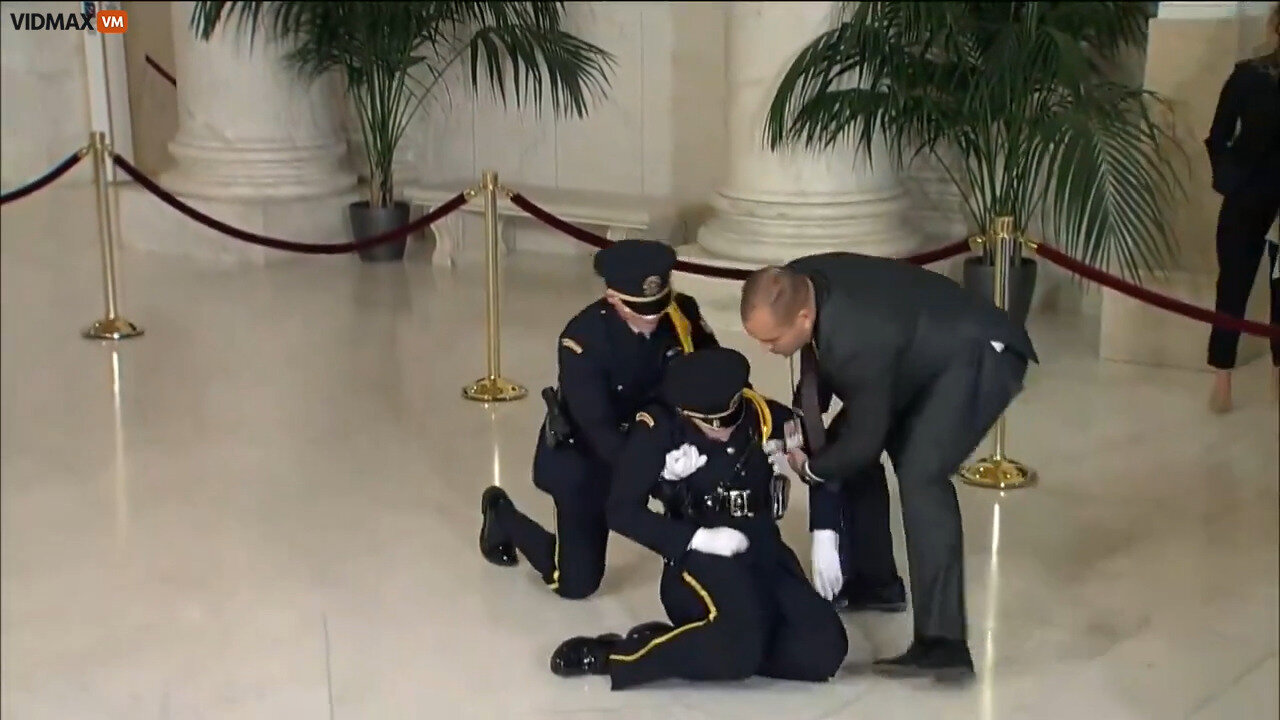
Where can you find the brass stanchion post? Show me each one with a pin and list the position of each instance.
(111, 327)
(997, 470)
(492, 387)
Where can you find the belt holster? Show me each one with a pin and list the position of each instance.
(556, 428)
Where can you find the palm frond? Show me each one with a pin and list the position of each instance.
(1018, 91)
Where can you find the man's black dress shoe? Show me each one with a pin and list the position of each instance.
(943, 659)
(857, 597)
(495, 546)
(579, 656)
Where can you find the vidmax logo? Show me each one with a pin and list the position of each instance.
(112, 21)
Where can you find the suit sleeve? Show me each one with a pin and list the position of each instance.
(863, 383)
(585, 390)
(638, 469)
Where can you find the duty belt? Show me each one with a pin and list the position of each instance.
(744, 503)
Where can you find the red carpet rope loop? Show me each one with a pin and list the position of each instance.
(54, 173)
(724, 273)
(1164, 302)
(165, 196)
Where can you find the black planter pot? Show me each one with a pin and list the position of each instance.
(980, 278)
(367, 222)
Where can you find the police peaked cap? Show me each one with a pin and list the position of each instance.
(707, 385)
(639, 271)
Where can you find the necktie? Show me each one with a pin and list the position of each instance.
(810, 409)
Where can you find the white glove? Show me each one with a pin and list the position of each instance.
(827, 576)
(722, 541)
(683, 462)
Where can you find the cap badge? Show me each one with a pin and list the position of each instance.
(652, 286)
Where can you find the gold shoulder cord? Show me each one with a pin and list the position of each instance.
(762, 410)
(684, 330)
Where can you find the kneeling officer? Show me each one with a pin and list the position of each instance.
(736, 596)
(612, 355)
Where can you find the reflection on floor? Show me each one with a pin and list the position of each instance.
(267, 508)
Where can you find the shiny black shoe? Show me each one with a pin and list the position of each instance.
(891, 598)
(494, 544)
(643, 633)
(942, 659)
(580, 656)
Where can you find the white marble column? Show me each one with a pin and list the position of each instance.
(248, 127)
(774, 207)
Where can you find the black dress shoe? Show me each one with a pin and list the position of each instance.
(495, 546)
(856, 597)
(943, 659)
(643, 633)
(579, 656)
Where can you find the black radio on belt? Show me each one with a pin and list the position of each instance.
(556, 428)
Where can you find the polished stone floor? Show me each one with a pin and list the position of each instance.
(266, 508)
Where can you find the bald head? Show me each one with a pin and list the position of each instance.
(783, 291)
(777, 308)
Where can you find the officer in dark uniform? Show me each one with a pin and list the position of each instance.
(612, 356)
(736, 596)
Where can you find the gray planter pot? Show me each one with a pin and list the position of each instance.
(367, 222)
(980, 278)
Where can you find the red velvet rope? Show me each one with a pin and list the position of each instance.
(1163, 302)
(439, 212)
(724, 273)
(54, 173)
(160, 69)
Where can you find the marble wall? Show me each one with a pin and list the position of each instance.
(660, 132)
(45, 112)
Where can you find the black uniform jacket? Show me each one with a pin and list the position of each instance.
(885, 329)
(739, 463)
(608, 371)
(1244, 140)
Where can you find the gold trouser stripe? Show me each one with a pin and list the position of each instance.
(684, 330)
(710, 618)
(762, 410)
(555, 556)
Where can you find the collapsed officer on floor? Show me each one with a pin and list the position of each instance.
(736, 596)
(612, 356)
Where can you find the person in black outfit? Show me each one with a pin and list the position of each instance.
(612, 355)
(736, 596)
(1244, 152)
(923, 368)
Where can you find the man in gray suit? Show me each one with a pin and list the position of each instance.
(923, 368)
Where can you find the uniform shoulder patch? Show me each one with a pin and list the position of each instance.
(571, 344)
(645, 418)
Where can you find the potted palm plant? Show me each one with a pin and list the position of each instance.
(1014, 100)
(395, 55)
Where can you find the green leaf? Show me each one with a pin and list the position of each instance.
(1018, 91)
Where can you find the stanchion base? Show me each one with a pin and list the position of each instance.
(998, 474)
(111, 329)
(494, 390)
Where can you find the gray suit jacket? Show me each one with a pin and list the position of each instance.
(885, 329)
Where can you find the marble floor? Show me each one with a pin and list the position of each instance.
(266, 508)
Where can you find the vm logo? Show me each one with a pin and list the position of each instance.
(112, 21)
